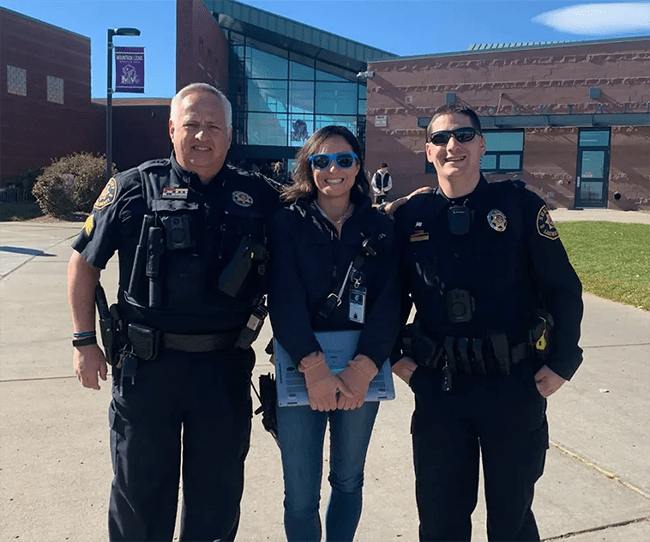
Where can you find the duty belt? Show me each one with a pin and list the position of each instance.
(199, 343)
(465, 355)
(146, 342)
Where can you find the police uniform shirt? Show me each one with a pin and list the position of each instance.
(511, 261)
(234, 203)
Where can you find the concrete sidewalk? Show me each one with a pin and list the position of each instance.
(55, 467)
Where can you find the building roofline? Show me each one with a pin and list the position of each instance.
(501, 48)
(39, 21)
(275, 23)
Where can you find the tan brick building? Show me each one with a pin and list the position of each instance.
(571, 119)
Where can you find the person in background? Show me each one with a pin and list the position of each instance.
(496, 332)
(382, 182)
(314, 243)
(190, 234)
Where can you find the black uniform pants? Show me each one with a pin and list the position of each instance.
(501, 419)
(194, 406)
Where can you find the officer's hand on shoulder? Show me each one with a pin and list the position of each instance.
(89, 361)
(390, 208)
(548, 381)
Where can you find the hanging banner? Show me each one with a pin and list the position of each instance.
(129, 69)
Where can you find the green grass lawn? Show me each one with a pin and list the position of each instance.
(611, 259)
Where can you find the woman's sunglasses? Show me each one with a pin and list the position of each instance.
(462, 135)
(343, 160)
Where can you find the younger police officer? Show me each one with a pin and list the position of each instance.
(190, 234)
(488, 275)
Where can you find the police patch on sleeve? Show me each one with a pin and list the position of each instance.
(107, 196)
(89, 225)
(545, 225)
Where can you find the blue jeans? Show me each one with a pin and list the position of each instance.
(301, 434)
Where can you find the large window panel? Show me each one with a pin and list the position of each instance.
(263, 65)
(299, 71)
(504, 151)
(301, 127)
(350, 122)
(267, 129)
(594, 138)
(267, 95)
(336, 98)
(301, 96)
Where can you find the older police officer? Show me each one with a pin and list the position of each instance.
(190, 234)
(496, 332)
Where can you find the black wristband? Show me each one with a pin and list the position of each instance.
(85, 341)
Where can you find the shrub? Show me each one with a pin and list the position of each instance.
(71, 184)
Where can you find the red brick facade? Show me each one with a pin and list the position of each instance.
(549, 80)
(34, 130)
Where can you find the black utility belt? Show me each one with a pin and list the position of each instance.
(146, 342)
(465, 355)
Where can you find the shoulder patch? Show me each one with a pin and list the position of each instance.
(89, 225)
(545, 224)
(107, 196)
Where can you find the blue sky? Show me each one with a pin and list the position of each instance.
(403, 27)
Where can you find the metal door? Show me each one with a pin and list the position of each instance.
(592, 170)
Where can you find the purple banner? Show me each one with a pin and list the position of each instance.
(129, 69)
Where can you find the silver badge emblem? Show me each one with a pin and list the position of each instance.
(497, 220)
(242, 198)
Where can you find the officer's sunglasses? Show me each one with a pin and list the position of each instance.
(343, 160)
(462, 135)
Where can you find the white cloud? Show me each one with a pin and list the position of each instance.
(599, 19)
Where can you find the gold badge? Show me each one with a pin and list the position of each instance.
(107, 196)
(545, 225)
(89, 225)
(242, 198)
(497, 220)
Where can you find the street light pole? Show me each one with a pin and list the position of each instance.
(109, 92)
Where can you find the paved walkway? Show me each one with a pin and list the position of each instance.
(55, 467)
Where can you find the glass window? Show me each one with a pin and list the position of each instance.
(362, 107)
(301, 96)
(489, 162)
(337, 98)
(300, 71)
(594, 138)
(301, 127)
(267, 95)
(263, 65)
(593, 164)
(326, 76)
(16, 81)
(591, 191)
(504, 151)
(510, 162)
(504, 141)
(350, 122)
(54, 89)
(267, 129)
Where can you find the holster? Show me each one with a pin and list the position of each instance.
(418, 346)
(109, 326)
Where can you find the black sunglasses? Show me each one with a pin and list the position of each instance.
(343, 160)
(462, 135)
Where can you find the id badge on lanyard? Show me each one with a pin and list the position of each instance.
(357, 300)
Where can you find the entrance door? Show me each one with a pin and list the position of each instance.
(592, 171)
